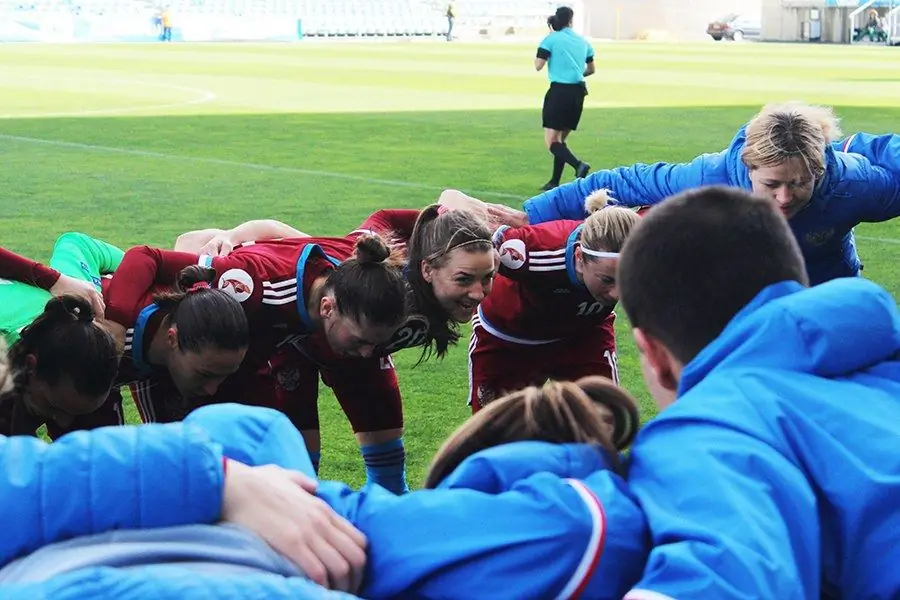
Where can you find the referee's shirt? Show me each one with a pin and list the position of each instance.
(566, 53)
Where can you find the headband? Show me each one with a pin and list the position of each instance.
(599, 254)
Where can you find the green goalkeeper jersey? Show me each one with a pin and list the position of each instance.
(74, 254)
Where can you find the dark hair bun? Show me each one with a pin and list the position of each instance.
(194, 274)
(371, 249)
(73, 307)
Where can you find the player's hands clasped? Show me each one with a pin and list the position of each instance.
(500, 214)
(219, 245)
(280, 506)
(69, 286)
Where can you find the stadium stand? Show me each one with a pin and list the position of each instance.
(335, 18)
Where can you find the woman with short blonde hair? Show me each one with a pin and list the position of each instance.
(785, 153)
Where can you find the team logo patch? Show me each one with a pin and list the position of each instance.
(512, 253)
(817, 238)
(237, 283)
(288, 378)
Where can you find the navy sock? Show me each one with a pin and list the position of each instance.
(386, 465)
(315, 457)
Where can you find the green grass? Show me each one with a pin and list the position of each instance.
(138, 143)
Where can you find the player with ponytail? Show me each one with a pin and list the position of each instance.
(450, 263)
(316, 307)
(62, 355)
(63, 365)
(550, 314)
(186, 339)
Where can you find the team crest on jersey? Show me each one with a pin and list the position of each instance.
(512, 253)
(237, 283)
(410, 334)
(288, 378)
(817, 238)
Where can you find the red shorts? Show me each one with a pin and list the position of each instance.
(498, 366)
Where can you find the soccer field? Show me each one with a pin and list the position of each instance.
(138, 143)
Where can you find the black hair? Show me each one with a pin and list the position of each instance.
(66, 342)
(698, 258)
(205, 317)
(370, 285)
(562, 18)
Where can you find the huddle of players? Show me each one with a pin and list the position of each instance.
(760, 479)
(261, 324)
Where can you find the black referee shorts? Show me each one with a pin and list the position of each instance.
(563, 104)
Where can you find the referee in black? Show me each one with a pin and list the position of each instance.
(569, 59)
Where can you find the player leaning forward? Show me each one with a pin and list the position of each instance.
(550, 313)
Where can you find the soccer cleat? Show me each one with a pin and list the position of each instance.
(582, 170)
(549, 186)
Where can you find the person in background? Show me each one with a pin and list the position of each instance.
(569, 59)
(166, 22)
(451, 16)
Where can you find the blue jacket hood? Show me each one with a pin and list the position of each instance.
(836, 328)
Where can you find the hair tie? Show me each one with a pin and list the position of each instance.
(200, 285)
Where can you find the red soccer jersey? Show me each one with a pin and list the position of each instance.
(271, 280)
(537, 296)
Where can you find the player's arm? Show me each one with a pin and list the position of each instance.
(142, 269)
(735, 519)
(113, 478)
(18, 268)
(543, 53)
(396, 223)
(637, 185)
(590, 68)
(881, 150)
(218, 242)
(523, 255)
(881, 200)
(472, 542)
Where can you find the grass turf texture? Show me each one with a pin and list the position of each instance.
(137, 143)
